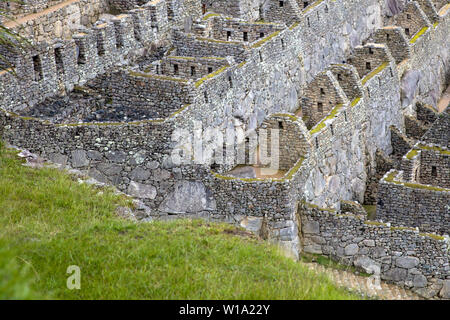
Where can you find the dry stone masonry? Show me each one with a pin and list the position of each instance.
(343, 92)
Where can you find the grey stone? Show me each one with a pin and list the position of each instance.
(407, 262)
(188, 197)
(445, 291)
(252, 224)
(419, 281)
(140, 174)
(396, 274)
(116, 156)
(79, 159)
(139, 157)
(161, 175)
(142, 191)
(94, 155)
(369, 243)
(394, 7)
(409, 86)
(351, 249)
(97, 175)
(311, 227)
(109, 169)
(58, 158)
(313, 248)
(379, 252)
(368, 265)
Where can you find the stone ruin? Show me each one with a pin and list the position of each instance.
(346, 89)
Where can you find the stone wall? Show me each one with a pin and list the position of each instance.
(426, 72)
(269, 76)
(24, 7)
(434, 166)
(188, 67)
(244, 9)
(191, 46)
(238, 30)
(134, 157)
(162, 95)
(60, 21)
(320, 97)
(413, 204)
(396, 254)
(439, 132)
(64, 64)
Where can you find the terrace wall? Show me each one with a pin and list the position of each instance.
(399, 255)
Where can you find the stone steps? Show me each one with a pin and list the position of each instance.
(363, 285)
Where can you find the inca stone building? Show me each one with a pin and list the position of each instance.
(346, 89)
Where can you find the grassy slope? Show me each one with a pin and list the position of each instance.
(49, 222)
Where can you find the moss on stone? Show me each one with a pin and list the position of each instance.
(322, 124)
(433, 236)
(391, 178)
(286, 115)
(434, 148)
(402, 229)
(209, 76)
(375, 223)
(294, 25)
(313, 5)
(315, 206)
(210, 15)
(411, 154)
(374, 72)
(243, 63)
(418, 35)
(355, 101)
(294, 169)
(264, 40)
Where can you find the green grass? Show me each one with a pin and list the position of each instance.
(371, 211)
(49, 222)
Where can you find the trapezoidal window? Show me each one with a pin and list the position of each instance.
(434, 171)
(81, 54)
(37, 66)
(192, 71)
(281, 4)
(368, 66)
(261, 34)
(228, 35)
(59, 60)
(119, 37)
(319, 107)
(245, 36)
(407, 32)
(175, 69)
